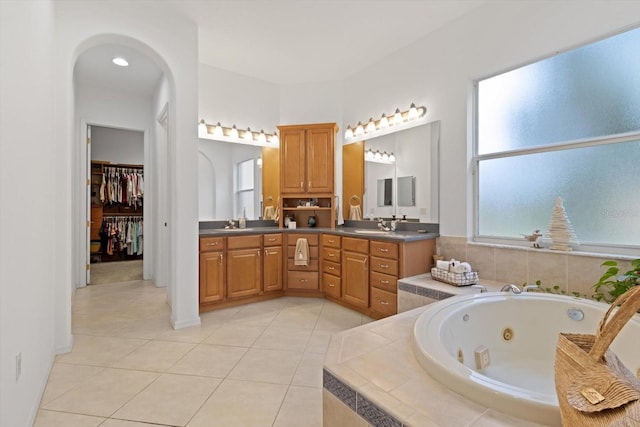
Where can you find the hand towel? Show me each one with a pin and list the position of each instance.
(302, 252)
(442, 265)
(462, 267)
(338, 209)
(355, 213)
(269, 212)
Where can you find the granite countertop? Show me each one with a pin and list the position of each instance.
(397, 236)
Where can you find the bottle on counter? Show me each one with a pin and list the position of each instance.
(242, 221)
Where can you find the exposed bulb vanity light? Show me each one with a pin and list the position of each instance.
(377, 157)
(259, 162)
(395, 122)
(220, 133)
(248, 136)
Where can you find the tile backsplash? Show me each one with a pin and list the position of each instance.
(572, 271)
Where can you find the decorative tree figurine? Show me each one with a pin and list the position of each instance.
(560, 229)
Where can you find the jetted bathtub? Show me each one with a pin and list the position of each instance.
(519, 333)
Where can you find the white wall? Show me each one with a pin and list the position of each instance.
(117, 145)
(438, 72)
(27, 206)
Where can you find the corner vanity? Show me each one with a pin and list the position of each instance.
(346, 265)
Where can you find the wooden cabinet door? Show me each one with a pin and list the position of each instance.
(211, 276)
(243, 272)
(319, 160)
(292, 161)
(272, 262)
(355, 278)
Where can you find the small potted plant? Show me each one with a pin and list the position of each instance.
(612, 284)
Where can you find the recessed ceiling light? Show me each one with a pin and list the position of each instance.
(120, 61)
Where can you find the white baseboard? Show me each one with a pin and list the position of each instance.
(185, 323)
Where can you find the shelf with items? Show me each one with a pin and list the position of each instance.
(302, 208)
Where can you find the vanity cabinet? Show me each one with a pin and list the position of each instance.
(331, 265)
(272, 262)
(385, 268)
(212, 268)
(355, 271)
(244, 266)
(302, 277)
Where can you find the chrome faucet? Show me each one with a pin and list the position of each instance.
(230, 224)
(483, 289)
(511, 287)
(532, 288)
(382, 225)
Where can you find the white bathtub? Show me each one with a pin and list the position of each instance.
(519, 380)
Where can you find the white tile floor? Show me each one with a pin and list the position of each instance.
(255, 365)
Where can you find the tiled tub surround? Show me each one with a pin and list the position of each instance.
(572, 271)
(371, 377)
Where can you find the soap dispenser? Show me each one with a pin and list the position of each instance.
(242, 221)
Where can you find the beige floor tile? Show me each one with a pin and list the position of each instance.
(235, 334)
(270, 366)
(103, 393)
(301, 405)
(64, 377)
(337, 318)
(293, 317)
(122, 423)
(100, 351)
(209, 360)
(239, 403)
(281, 338)
(146, 328)
(155, 356)
(58, 419)
(496, 419)
(171, 399)
(193, 334)
(255, 314)
(309, 305)
(319, 341)
(309, 372)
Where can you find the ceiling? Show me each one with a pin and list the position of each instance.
(284, 41)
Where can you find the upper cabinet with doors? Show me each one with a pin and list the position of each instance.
(307, 158)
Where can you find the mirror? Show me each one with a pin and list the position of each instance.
(229, 180)
(414, 175)
(385, 192)
(406, 191)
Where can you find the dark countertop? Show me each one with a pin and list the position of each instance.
(370, 233)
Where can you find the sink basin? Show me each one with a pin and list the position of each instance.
(231, 230)
(371, 231)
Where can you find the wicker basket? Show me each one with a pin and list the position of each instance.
(594, 388)
(455, 279)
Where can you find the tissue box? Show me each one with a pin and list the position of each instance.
(455, 279)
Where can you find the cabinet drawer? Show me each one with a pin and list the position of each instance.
(355, 245)
(313, 265)
(384, 249)
(384, 265)
(241, 242)
(331, 285)
(330, 241)
(331, 254)
(302, 280)
(384, 281)
(331, 267)
(313, 252)
(383, 302)
(292, 239)
(272, 239)
(211, 244)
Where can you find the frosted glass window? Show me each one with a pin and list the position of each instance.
(569, 127)
(598, 185)
(592, 91)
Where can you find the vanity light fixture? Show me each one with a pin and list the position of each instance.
(259, 162)
(395, 122)
(233, 134)
(376, 156)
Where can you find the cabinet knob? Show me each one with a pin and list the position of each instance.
(309, 184)
(301, 185)
(331, 285)
(212, 243)
(384, 281)
(332, 255)
(258, 252)
(384, 302)
(271, 239)
(303, 280)
(220, 258)
(332, 241)
(384, 266)
(384, 250)
(331, 268)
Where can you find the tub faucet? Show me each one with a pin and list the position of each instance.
(511, 287)
(532, 288)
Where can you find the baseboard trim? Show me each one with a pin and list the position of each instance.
(185, 323)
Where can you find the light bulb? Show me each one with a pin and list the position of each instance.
(262, 138)
(275, 138)
(397, 117)
(377, 156)
(371, 126)
(422, 111)
(369, 155)
(392, 158)
(218, 130)
(348, 133)
(259, 162)
(385, 157)
(359, 129)
(384, 122)
(233, 133)
(413, 112)
(248, 136)
(202, 129)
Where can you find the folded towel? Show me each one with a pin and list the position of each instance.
(463, 267)
(442, 265)
(269, 212)
(355, 213)
(302, 252)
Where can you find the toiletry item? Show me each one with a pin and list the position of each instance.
(292, 224)
(312, 221)
(442, 265)
(242, 221)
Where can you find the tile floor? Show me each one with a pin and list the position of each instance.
(255, 365)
